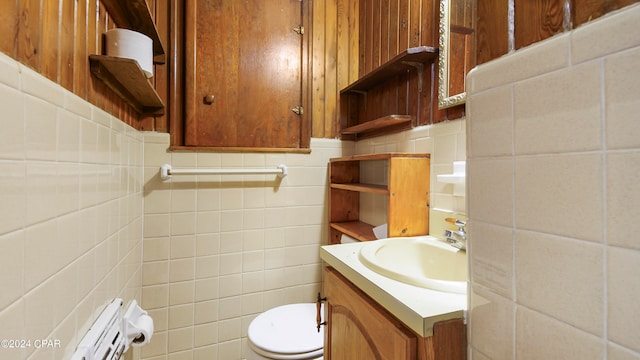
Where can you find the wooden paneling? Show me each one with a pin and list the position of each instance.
(335, 60)
(318, 109)
(81, 49)
(492, 29)
(334, 14)
(161, 79)
(587, 10)
(93, 84)
(29, 33)
(366, 37)
(389, 27)
(67, 43)
(416, 13)
(177, 76)
(534, 20)
(537, 20)
(8, 26)
(49, 50)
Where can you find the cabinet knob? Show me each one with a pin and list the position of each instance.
(209, 99)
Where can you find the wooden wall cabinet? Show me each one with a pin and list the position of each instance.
(246, 78)
(406, 190)
(359, 328)
(356, 106)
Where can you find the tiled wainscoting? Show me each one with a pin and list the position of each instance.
(554, 197)
(70, 215)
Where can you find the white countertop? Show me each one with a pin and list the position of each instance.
(416, 307)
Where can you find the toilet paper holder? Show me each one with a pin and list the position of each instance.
(112, 333)
(138, 325)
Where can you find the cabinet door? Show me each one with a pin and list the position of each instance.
(358, 328)
(244, 73)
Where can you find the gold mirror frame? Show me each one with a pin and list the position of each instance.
(446, 100)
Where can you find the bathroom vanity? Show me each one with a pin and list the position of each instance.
(371, 316)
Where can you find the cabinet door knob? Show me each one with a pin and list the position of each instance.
(209, 99)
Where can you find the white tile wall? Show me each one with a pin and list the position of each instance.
(554, 197)
(221, 249)
(70, 210)
(446, 142)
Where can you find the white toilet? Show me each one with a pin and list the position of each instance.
(286, 332)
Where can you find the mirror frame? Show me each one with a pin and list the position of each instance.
(446, 100)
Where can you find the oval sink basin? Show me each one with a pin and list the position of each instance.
(420, 261)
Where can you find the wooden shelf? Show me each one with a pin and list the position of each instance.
(380, 156)
(368, 107)
(399, 64)
(356, 229)
(126, 78)
(368, 188)
(135, 15)
(377, 124)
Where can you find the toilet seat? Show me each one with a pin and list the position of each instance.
(287, 332)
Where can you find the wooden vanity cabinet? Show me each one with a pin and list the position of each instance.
(406, 193)
(359, 328)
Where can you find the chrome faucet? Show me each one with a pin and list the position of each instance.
(457, 238)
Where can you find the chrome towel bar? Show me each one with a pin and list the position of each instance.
(166, 171)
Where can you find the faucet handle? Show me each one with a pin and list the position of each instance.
(456, 222)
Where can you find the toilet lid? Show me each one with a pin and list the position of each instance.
(287, 329)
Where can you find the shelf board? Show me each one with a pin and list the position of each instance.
(399, 64)
(368, 188)
(356, 229)
(380, 123)
(135, 15)
(125, 78)
(379, 156)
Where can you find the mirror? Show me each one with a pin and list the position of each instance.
(456, 40)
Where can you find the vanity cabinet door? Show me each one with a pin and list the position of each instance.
(358, 328)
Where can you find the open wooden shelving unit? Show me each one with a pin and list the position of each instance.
(124, 76)
(406, 191)
(356, 93)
